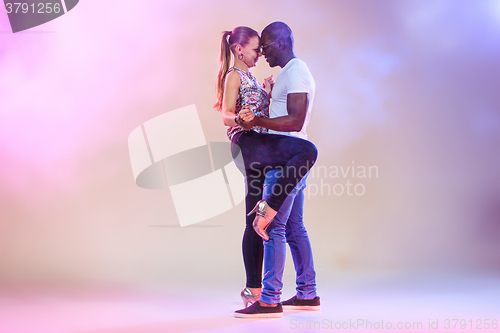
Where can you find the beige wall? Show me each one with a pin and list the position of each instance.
(407, 87)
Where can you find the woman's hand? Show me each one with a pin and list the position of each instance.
(245, 114)
(268, 84)
(246, 118)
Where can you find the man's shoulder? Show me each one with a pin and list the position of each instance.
(298, 63)
(299, 71)
(299, 66)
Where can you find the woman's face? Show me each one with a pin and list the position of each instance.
(251, 52)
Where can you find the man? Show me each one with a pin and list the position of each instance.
(292, 99)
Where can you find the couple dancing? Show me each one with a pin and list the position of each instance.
(271, 150)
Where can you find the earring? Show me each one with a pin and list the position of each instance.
(240, 56)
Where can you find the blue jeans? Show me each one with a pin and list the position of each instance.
(287, 226)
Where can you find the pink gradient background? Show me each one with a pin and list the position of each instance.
(408, 86)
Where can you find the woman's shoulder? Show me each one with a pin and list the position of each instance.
(233, 77)
(233, 72)
(234, 69)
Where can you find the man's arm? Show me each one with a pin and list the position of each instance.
(296, 106)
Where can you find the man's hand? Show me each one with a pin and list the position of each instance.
(246, 125)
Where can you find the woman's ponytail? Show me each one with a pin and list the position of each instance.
(225, 59)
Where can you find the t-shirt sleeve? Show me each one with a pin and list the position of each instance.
(299, 80)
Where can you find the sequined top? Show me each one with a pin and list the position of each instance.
(251, 94)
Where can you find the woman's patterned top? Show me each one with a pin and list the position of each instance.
(251, 94)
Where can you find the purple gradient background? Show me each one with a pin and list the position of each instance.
(408, 86)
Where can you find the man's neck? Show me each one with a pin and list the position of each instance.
(287, 59)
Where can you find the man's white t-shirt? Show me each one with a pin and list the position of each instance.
(295, 77)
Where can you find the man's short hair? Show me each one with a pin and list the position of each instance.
(279, 31)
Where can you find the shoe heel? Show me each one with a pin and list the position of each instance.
(253, 210)
(256, 208)
(248, 298)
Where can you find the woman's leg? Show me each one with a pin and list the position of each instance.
(253, 250)
(252, 247)
(263, 151)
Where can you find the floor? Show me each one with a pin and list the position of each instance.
(350, 302)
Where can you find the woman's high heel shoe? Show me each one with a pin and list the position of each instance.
(264, 216)
(249, 298)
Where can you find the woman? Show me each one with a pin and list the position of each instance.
(240, 98)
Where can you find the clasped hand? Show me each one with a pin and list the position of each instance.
(247, 118)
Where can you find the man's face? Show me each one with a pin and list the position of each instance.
(270, 50)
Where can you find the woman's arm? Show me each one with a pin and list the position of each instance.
(231, 91)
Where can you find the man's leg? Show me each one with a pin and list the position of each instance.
(275, 247)
(300, 247)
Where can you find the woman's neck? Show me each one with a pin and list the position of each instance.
(241, 65)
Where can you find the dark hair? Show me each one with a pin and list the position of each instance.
(279, 31)
(239, 36)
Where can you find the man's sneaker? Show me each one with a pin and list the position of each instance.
(295, 303)
(257, 311)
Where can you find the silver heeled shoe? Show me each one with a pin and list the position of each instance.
(248, 297)
(260, 224)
